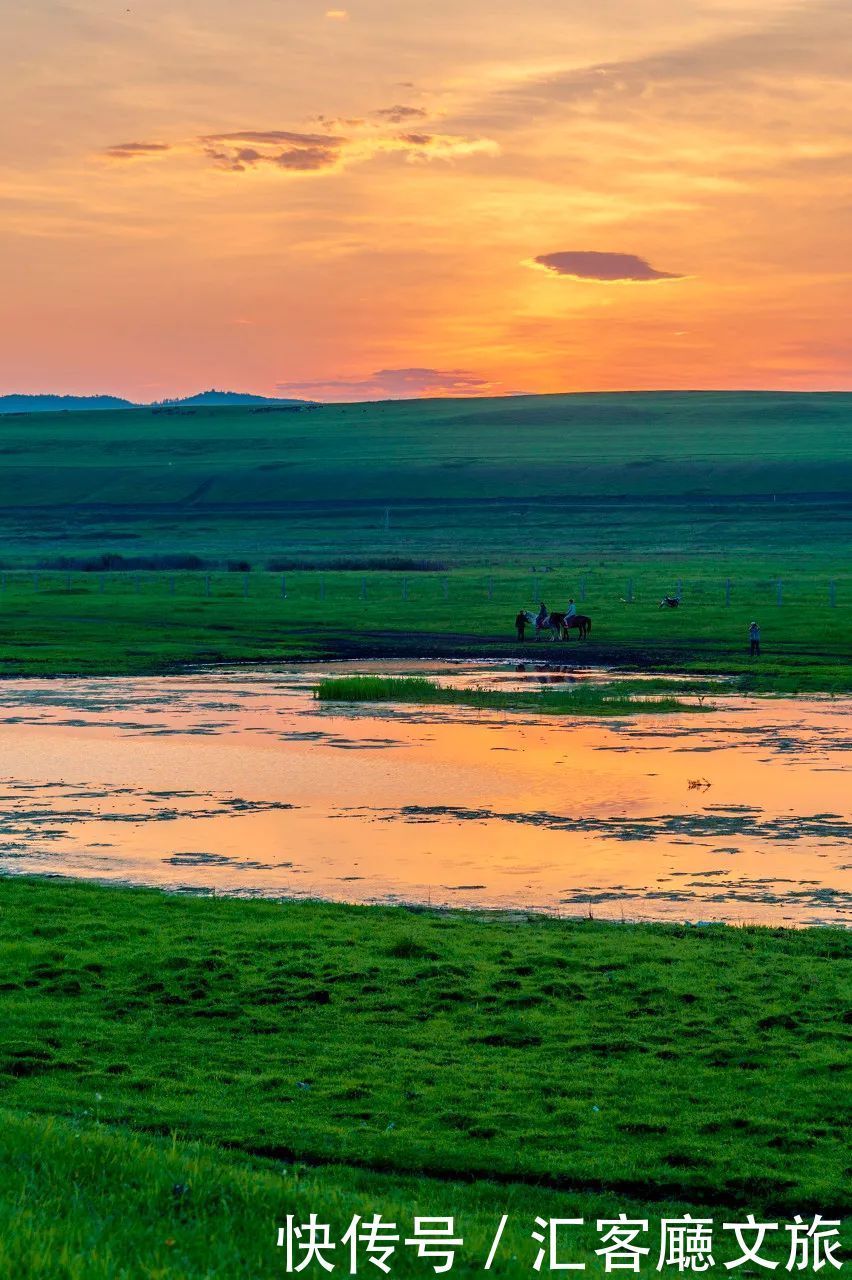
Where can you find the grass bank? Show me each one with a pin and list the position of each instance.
(633, 1067)
(577, 700)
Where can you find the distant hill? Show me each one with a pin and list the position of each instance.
(60, 404)
(228, 399)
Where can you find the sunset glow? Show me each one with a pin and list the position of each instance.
(398, 200)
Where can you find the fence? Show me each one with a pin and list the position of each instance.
(458, 590)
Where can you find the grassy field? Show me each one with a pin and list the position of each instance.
(419, 528)
(178, 1074)
(152, 622)
(471, 481)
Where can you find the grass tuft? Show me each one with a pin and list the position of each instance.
(579, 700)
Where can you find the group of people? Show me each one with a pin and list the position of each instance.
(522, 620)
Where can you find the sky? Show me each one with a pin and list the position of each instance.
(465, 197)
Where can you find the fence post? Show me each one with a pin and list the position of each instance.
(727, 592)
(490, 588)
(779, 593)
(363, 588)
(446, 589)
(405, 588)
(283, 587)
(207, 585)
(245, 585)
(387, 519)
(832, 594)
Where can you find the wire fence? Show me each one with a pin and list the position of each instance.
(509, 589)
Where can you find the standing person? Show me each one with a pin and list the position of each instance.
(520, 625)
(754, 640)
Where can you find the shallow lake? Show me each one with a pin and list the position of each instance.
(242, 783)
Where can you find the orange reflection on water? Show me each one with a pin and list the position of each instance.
(243, 783)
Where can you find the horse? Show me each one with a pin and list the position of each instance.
(541, 621)
(558, 624)
(669, 602)
(578, 621)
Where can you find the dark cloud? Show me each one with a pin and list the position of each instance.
(133, 150)
(399, 115)
(589, 265)
(272, 137)
(283, 149)
(395, 384)
(340, 122)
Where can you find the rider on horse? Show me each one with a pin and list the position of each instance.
(571, 611)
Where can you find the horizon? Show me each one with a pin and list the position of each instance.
(179, 401)
(365, 203)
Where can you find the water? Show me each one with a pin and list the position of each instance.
(242, 783)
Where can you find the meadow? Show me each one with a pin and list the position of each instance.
(83, 623)
(471, 481)
(410, 528)
(179, 1073)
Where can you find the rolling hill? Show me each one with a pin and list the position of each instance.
(467, 477)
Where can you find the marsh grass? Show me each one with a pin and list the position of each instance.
(582, 699)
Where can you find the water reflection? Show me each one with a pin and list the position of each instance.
(243, 783)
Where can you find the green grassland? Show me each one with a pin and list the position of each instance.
(472, 480)
(158, 622)
(177, 1074)
(611, 498)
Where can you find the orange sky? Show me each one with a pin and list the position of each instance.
(278, 195)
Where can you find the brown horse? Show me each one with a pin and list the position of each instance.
(560, 625)
(579, 622)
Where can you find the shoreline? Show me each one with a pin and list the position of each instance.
(425, 647)
(515, 916)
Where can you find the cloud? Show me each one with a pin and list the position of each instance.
(399, 114)
(590, 265)
(284, 149)
(395, 384)
(299, 152)
(439, 146)
(133, 150)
